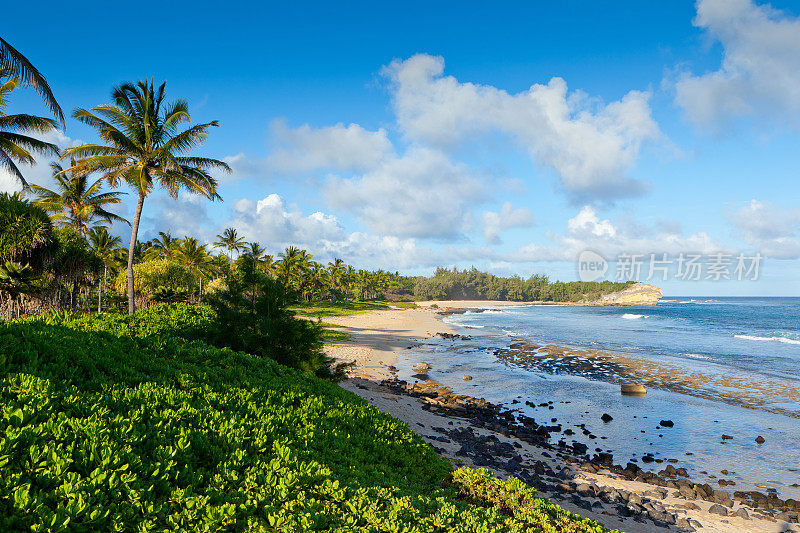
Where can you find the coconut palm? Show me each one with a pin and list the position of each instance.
(76, 202)
(195, 258)
(15, 146)
(165, 246)
(230, 240)
(143, 147)
(106, 246)
(19, 67)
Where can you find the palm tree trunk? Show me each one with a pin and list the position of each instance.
(134, 232)
(200, 295)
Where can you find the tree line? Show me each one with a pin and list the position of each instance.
(472, 284)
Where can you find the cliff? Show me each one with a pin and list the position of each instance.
(636, 294)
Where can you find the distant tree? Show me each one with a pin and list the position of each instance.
(195, 258)
(142, 147)
(230, 240)
(76, 203)
(106, 246)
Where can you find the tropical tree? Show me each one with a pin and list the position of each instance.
(19, 67)
(195, 258)
(165, 246)
(26, 232)
(143, 147)
(15, 146)
(16, 279)
(106, 246)
(230, 240)
(76, 202)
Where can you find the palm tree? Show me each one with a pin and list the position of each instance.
(76, 203)
(15, 146)
(230, 240)
(16, 279)
(106, 246)
(164, 246)
(19, 67)
(195, 258)
(143, 147)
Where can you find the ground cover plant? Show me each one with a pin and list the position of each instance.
(128, 424)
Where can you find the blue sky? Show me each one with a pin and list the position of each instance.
(510, 136)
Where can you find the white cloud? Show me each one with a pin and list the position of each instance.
(587, 231)
(269, 222)
(591, 147)
(419, 194)
(760, 71)
(771, 229)
(508, 217)
(341, 147)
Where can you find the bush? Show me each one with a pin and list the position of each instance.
(117, 424)
(150, 275)
(252, 316)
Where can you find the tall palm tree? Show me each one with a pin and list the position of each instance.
(19, 67)
(230, 240)
(142, 146)
(15, 146)
(195, 258)
(76, 203)
(106, 246)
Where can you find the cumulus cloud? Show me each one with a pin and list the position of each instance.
(587, 231)
(276, 226)
(508, 217)
(420, 194)
(341, 147)
(591, 147)
(760, 70)
(771, 229)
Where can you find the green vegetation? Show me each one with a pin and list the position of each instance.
(117, 423)
(473, 284)
(328, 308)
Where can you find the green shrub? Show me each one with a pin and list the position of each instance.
(150, 275)
(117, 424)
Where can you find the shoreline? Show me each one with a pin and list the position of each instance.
(475, 433)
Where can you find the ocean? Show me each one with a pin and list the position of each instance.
(713, 366)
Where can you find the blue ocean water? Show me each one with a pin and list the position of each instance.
(731, 344)
(759, 335)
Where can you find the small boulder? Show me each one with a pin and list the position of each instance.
(606, 418)
(718, 509)
(666, 423)
(632, 389)
(760, 440)
(726, 437)
(467, 377)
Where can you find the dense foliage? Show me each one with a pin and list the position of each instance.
(473, 284)
(122, 424)
(150, 275)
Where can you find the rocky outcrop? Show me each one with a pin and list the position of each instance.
(636, 294)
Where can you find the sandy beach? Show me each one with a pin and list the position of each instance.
(469, 436)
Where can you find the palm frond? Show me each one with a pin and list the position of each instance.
(12, 59)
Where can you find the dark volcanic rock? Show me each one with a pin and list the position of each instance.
(606, 418)
(718, 509)
(760, 440)
(666, 423)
